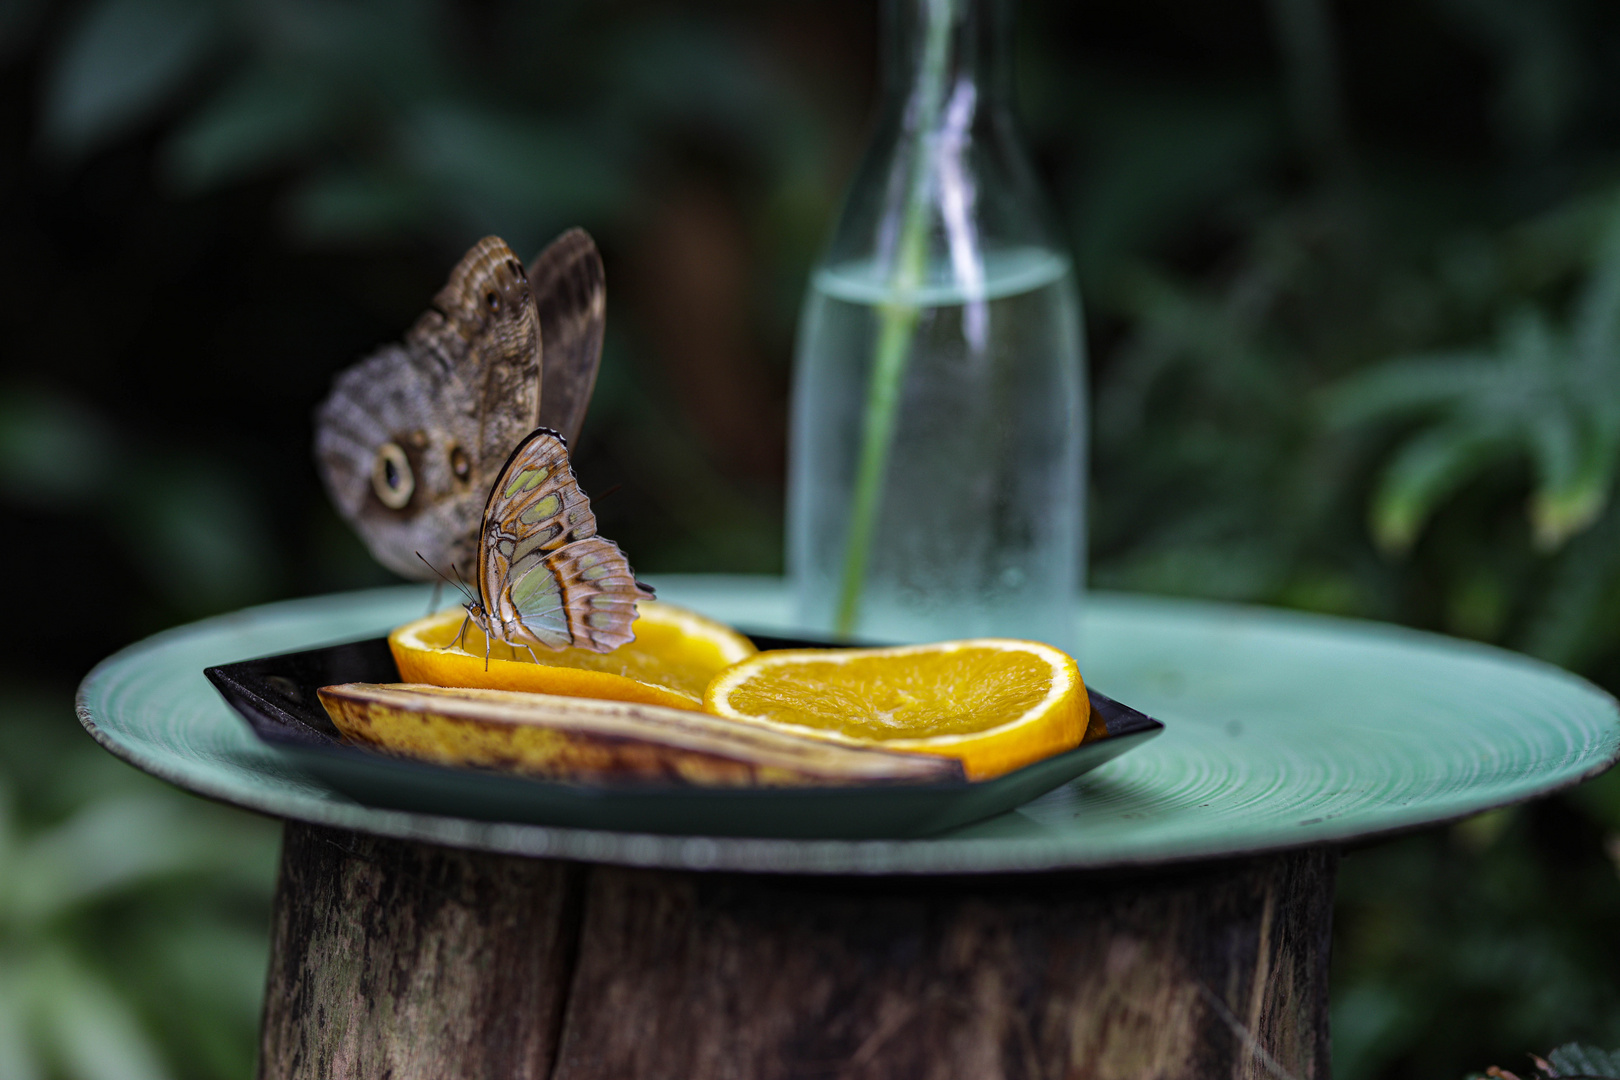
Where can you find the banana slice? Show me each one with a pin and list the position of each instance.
(593, 740)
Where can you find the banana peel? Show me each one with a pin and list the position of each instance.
(595, 740)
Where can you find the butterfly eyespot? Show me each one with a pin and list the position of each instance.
(493, 300)
(391, 476)
(460, 463)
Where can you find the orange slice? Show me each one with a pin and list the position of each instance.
(993, 703)
(675, 655)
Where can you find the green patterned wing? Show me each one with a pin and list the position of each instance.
(546, 578)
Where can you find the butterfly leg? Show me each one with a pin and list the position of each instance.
(533, 657)
(486, 650)
(461, 638)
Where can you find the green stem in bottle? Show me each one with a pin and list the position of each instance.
(897, 319)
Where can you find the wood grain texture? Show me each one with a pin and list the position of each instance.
(406, 961)
(1218, 972)
(396, 960)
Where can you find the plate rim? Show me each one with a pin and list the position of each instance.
(931, 856)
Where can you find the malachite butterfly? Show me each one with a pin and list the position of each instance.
(544, 576)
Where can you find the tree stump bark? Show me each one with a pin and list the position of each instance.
(400, 960)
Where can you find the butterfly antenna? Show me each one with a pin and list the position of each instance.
(609, 491)
(462, 586)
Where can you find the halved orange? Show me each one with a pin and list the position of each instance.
(995, 704)
(675, 655)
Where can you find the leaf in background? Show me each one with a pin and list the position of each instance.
(1208, 338)
(1537, 394)
(17, 1058)
(1539, 66)
(1597, 309)
(691, 69)
(1575, 615)
(53, 450)
(93, 1033)
(520, 177)
(113, 884)
(1222, 567)
(1424, 471)
(1571, 500)
(391, 52)
(1407, 386)
(122, 843)
(343, 204)
(197, 533)
(263, 117)
(1161, 158)
(202, 984)
(688, 74)
(1575, 1060)
(1600, 799)
(1576, 472)
(8, 849)
(222, 963)
(1368, 1023)
(123, 60)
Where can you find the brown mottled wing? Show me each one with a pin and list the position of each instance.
(570, 290)
(544, 576)
(410, 439)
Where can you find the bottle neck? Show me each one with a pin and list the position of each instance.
(958, 48)
(945, 178)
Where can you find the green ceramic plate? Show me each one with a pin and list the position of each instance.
(1282, 730)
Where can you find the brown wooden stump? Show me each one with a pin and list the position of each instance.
(400, 960)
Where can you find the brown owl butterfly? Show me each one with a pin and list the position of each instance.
(411, 438)
(544, 576)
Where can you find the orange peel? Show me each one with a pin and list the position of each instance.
(676, 653)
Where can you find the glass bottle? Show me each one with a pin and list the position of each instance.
(936, 476)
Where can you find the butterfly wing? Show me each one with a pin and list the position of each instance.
(410, 439)
(545, 577)
(570, 290)
(582, 595)
(485, 325)
(390, 460)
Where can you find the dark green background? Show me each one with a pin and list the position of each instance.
(1352, 278)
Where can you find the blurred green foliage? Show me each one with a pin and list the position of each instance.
(1352, 276)
(1572, 1061)
(132, 918)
